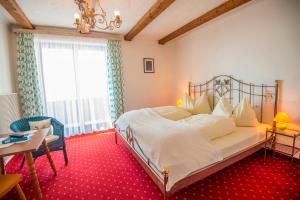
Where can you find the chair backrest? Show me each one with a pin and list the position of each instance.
(23, 124)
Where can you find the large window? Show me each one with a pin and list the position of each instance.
(74, 78)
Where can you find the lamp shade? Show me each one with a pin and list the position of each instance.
(282, 118)
(9, 111)
(179, 102)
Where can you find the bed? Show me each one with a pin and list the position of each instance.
(171, 164)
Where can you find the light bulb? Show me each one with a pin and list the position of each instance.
(117, 13)
(76, 16)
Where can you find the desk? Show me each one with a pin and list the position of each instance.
(37, 139)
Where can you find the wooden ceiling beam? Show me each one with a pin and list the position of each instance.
(17, 13)
(221, 9)
(48, 30)
(149, 16)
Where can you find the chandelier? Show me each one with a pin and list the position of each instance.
(93, 16)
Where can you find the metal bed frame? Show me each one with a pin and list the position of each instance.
(260, 96)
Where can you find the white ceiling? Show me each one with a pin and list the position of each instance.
(178, 14)
(60, 13)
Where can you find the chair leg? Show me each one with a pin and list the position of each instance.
(65, 155)
(22, 162)
(20, 192)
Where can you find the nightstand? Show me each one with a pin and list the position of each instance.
(286, 145)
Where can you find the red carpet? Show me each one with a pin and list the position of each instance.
(99, 169)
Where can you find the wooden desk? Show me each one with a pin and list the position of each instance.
(37, 139)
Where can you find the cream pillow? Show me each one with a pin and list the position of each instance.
(223, 108)
(36, 125)
(201, 105)
(187, 103)
(172, 112)
(244, 114)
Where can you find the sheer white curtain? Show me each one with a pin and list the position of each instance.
(74, 81)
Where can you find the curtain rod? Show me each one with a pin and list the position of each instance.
(67, 32)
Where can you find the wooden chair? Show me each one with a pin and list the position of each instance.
(10, 181)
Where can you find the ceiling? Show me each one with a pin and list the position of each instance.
(60, 13)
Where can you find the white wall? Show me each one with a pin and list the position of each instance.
(146, 89)
(7, 84)
(259, 42)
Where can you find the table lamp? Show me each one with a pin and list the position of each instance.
(281, 119)
(179, 103)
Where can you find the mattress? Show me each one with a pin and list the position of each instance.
(241, 139)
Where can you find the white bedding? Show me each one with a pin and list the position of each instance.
(241, 139)
(211, 126)
(186, 146)
(177, 146)
(172, 112)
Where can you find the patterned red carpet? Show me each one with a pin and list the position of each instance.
(99, 169)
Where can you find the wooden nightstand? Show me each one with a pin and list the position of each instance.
(288, 147)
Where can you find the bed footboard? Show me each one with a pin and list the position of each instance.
(160, 178)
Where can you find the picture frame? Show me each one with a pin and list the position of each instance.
(149, 65)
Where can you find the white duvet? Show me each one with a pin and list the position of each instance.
(211, 126)
(179, 146)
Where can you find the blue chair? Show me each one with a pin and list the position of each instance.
(58, 129)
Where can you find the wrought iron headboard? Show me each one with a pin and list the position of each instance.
(263, 98)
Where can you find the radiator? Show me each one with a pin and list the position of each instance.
(9, 111)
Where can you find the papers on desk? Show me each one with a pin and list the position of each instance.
(15, 138)
(10, 139)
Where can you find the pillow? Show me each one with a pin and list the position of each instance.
(244, 114)
(223, 108)
(172, 112)
(201, 105)
(187, 103)
(37, 125)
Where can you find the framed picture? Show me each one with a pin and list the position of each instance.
(148, 65)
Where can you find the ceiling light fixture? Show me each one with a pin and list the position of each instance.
(93, 16)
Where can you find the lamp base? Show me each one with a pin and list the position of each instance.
(281, 126)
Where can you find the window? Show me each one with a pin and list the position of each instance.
(74, 81)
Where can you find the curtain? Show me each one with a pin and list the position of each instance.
(27, 76)
(75, 85)
(115, 78)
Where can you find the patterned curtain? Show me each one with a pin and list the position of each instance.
(115, 78)
(27, 76)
